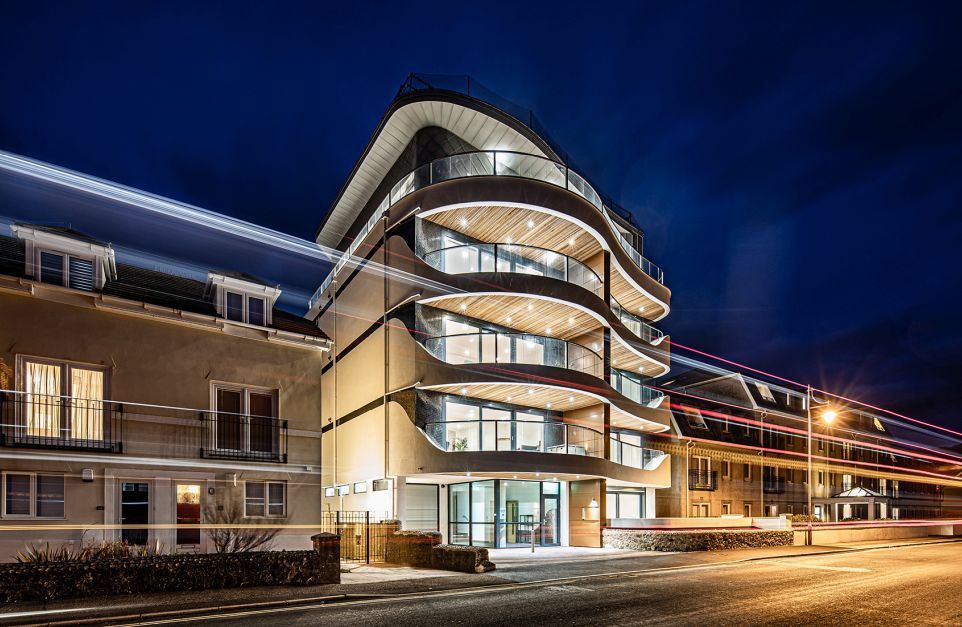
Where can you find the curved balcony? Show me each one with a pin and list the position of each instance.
(636, 325)
(515, 435)
(636, 456)
(514, 258)
(635, 390)
(495, 163)
(514, 348)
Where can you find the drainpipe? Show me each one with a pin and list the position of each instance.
(387, 378)
(688, 446)
(334, 400)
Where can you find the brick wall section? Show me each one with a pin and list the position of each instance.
(163, 573)
(685, 540)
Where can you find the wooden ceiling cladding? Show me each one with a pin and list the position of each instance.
(527, 314)
(620, 419)
(495, 224)
(501, 225)
(633, 300)
(474, 127)
(624, 359)
(539, 396)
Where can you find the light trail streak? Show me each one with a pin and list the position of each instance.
(774, 376)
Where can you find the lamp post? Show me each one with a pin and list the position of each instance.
(828, 416)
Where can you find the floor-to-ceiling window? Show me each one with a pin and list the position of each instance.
(526, 511)
(625, 504)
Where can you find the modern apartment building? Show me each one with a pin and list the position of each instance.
(491, 317)
(137, 404)
(742, 449)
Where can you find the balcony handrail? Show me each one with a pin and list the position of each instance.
(647, 395)
(571, 441)
(424, 175)
(635, 324)
(593, 278)
(648, 456)
(59, 421)
(595, 367)
(702, 479)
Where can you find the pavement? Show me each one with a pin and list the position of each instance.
(581, 586)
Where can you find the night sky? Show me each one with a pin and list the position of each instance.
(796, 170)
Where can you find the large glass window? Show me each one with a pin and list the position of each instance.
(33, 495)
(459, 513)
(482, 513)
(625, 504)
(525, 510)
(245, 421)
(520, 508)
(47, 414)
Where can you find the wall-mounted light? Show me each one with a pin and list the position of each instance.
(592, 512)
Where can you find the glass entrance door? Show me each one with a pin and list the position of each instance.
(134, 512)
(188, 514)
(549, 520)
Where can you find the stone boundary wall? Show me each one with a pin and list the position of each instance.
(411, 548)
(694, 540)
(463, 559)
(44, 581)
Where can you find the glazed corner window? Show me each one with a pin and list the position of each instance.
(60, 269)
(265, 499)
(30, 495)
(241, 307)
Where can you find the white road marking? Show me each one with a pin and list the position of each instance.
(844, 569)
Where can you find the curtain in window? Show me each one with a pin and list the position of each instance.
(87, 412)
(42, 411)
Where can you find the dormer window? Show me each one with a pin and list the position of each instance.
(61, 256)
(243, 298)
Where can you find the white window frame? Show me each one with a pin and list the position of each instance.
(330, 491)
(65, 265)
(726, 469)
(222, 284)
(33, 495)
(267, 498)
(66, 380)
(244, 414)
(37, 241)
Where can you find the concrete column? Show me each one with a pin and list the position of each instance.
(400, 504)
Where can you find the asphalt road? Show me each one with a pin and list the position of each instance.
(919, 585)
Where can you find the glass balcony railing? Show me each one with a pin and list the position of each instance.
(634, 455)
(514, 348)
(494, 163)
(636, 325)
(516, 435)
(514, 258)
(634, 389)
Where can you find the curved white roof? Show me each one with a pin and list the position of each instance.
(479, 129)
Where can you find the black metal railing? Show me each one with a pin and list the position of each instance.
(363, 534)
(244, 437)
(702, 479)
(60, 422)
(774, 485)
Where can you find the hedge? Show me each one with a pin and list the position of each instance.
(694, 540)
(41, 581)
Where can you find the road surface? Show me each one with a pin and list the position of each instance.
(920, 585)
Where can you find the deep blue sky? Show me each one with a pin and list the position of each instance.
(796, 169)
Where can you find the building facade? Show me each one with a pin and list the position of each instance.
(138, 405)
(491, 319)
(742, 446)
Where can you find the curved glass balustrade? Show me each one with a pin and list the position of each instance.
(632, 388)
(514, 258)
(516, 435)
(636, 325)
(494, 163)
(634, 455)
(514, 348)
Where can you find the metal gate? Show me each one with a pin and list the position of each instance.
(363, 534)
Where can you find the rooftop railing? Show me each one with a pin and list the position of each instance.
(514, 258)
(514, 348)
(492, 163)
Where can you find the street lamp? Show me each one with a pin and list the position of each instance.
(828, 416)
